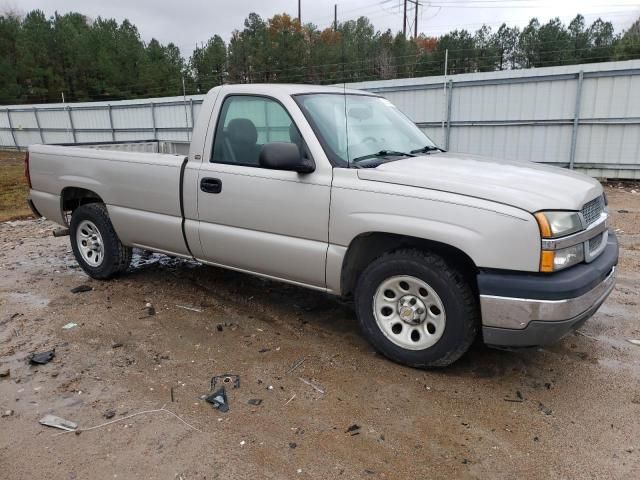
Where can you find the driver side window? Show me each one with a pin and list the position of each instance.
(247, 123)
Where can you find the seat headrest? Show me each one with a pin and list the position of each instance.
(242, 130)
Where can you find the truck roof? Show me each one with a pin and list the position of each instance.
(290, 89)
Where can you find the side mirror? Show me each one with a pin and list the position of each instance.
(285, 156)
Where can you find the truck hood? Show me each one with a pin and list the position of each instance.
(526, 185)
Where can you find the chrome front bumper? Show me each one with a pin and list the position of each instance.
(522, 309)
(516, 313)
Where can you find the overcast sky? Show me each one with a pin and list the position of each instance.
(187, 22)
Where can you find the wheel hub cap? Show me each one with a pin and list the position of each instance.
(412, 310)
(409, 312)
(89, 241)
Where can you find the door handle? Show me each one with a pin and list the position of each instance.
(211, 185)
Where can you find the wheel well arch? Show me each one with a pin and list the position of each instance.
(367, 247)
(73, 197)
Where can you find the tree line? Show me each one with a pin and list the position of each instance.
(42, 57)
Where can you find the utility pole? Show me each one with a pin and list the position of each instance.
(335, 17)
(415, 19)
(404, 21)
(299, 13)
(415, 22)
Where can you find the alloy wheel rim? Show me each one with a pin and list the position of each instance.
(409, 312)
(90, 244)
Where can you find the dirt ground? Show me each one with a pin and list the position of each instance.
(568, 411)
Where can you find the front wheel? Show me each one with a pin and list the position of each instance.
(95, 243)
(416, 309)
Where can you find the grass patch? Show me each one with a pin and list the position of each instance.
(13, 187)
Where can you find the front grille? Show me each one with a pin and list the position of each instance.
(591, 210)
(595, 242)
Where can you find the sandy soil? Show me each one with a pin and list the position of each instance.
(579, 414)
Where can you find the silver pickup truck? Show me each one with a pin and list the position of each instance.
(336, 190)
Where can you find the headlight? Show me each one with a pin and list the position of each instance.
(554, 260)
(558, 224)
(554, 225)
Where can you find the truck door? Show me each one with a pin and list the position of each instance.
(270, 222)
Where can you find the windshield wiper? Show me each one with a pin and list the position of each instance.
(383, 153)
(428, 148)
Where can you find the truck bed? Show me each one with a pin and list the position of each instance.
(138, 181)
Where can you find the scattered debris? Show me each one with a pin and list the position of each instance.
(287, 402)
(69, 326)
(219, 327)
(264, 350)
(150, 309)
(295, 365)
(315, 387)
(353, 428)
(6, 413)
(5, 373)
(81, 288)
(293, 444)
(192, 309)
(623, 211)
(544, 409)
(109, 414)
(219, 400)
(634, 341)
(42, 358)
(115, 344)
(255, 401)
(135, 415)
(226, 379)
(57, 422)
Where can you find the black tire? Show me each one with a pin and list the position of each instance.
(116, 257)
(460, 304)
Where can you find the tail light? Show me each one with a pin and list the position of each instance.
(27, 174)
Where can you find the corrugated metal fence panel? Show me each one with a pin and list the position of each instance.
(531, 114)
(518, 114)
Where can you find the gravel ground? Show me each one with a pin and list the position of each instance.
(568, 411)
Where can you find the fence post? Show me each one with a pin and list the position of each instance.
(13, 134)
(450, 96)
(191, 110)
(153, 120)
(35, 114)
(576, 120)
(73, 130)
(113, 130)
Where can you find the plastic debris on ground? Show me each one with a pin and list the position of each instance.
(219, 400)
(225, 379)
(57, 422)
(69, 326)
(42, 358)
(81, 288)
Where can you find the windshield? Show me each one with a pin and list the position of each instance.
(360, 126)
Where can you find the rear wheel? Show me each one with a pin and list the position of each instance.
(416, 309)
(95, 243)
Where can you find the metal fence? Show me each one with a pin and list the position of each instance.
(169, 118)
(580, 116)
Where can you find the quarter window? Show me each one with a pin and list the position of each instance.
(246, 123)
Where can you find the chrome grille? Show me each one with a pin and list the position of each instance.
(595, 242)
(591, 210)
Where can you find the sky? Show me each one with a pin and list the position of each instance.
(190, 22)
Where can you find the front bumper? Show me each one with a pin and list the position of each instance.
(529, 309)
